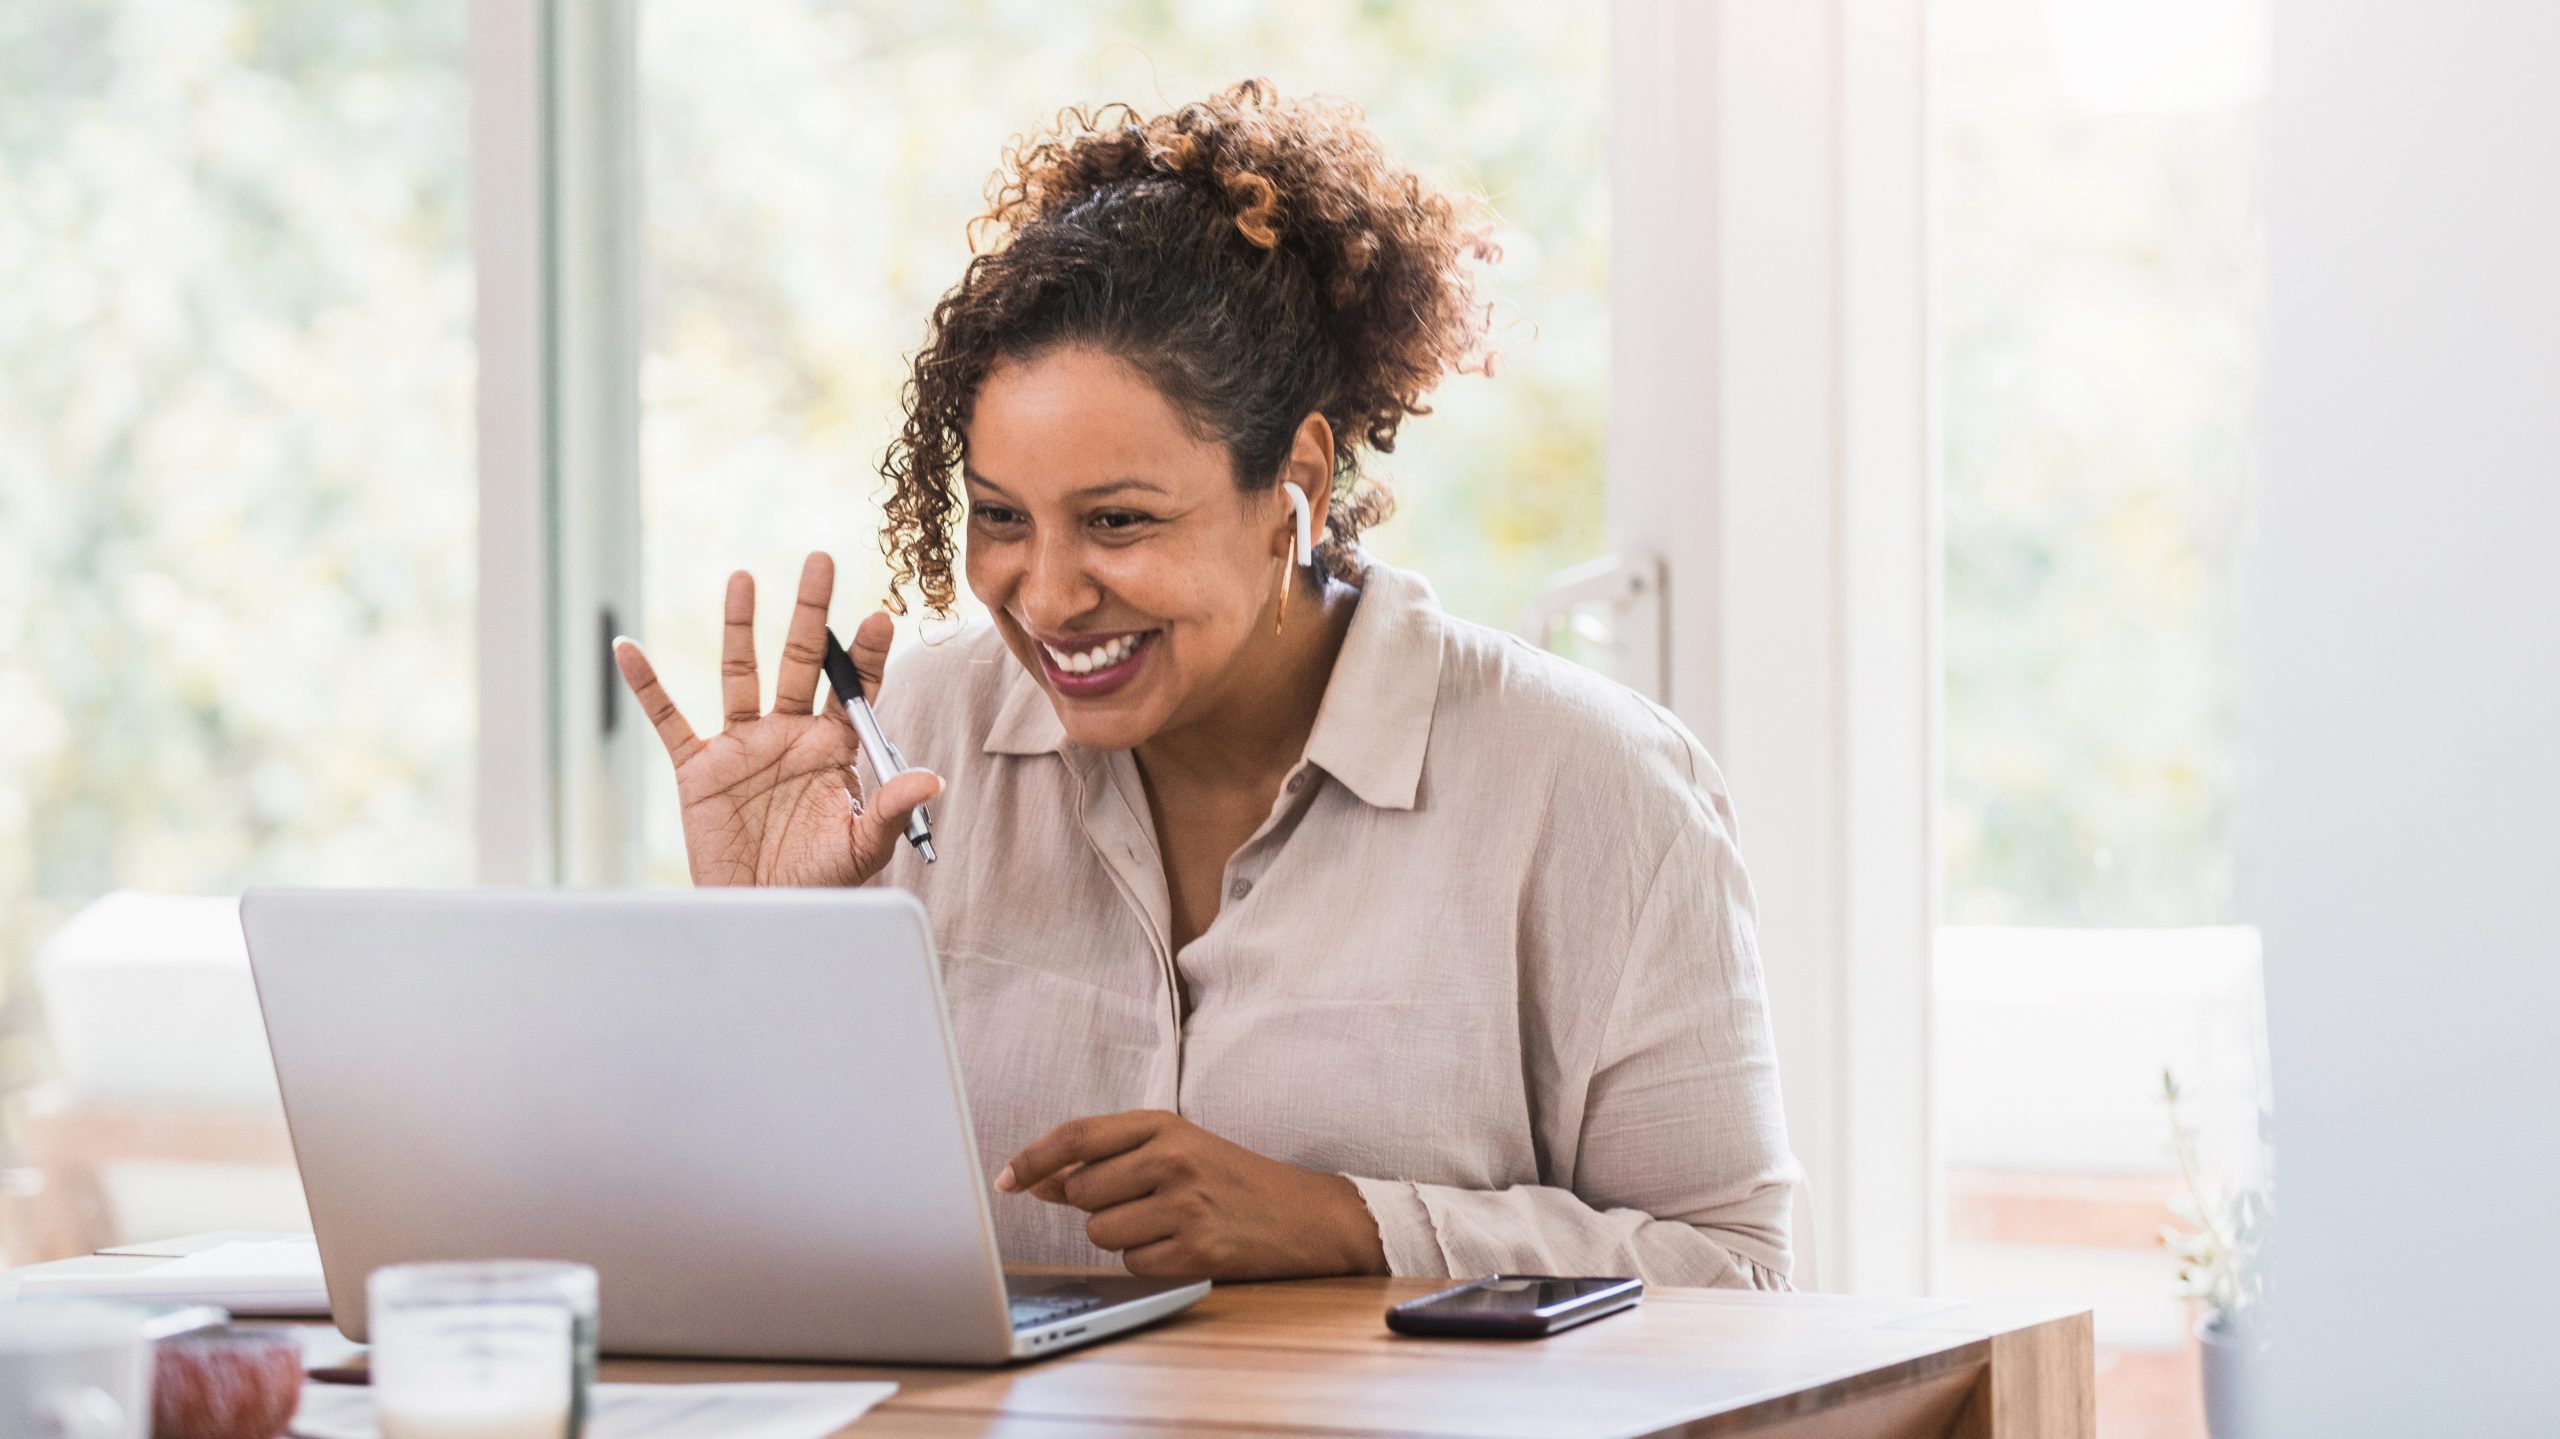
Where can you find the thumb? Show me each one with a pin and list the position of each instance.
(885, 812)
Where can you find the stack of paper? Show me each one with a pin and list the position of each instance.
(262, 1276)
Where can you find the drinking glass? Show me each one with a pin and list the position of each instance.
(482, 1351)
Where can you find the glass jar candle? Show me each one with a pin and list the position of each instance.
(502, 1350)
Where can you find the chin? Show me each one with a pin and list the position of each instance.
(1098, 725)
(1101, 734)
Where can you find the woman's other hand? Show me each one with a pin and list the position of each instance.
(1173, 1199)
(772, 798)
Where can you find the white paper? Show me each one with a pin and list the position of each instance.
(245, 1276)
(642, 1411)
(186, 1244)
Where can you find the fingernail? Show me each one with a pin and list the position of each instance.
(1004, 1179)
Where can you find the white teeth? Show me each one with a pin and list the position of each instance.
(1101, 657)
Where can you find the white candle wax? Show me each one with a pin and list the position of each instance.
(474, 1416)
(474, 1371)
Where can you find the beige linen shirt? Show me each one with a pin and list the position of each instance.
(1491, 956)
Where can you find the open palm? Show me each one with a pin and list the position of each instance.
(773, 797)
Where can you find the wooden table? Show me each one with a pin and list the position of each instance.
(1313, 1357)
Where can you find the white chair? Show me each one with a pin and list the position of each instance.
(162, 1114)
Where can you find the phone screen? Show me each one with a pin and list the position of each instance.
(1523, 1295)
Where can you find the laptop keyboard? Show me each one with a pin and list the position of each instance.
(1030, 1311)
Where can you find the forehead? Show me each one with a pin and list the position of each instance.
(1073, 418)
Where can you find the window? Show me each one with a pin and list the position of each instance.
(237, 460)
(2097, 280)
(237, 463)
(808, 173)
(236, 565)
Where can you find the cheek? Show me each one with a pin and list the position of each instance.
(991, 572)
(1194, 585)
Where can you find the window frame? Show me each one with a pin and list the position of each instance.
(557, 252)
(1783, 474)
(515, 758)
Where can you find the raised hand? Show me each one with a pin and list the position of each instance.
(773, 797)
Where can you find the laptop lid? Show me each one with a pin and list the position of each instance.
(742, 1106)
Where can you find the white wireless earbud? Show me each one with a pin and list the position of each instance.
(1306, 554)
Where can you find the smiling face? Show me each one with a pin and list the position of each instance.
(1122, 563)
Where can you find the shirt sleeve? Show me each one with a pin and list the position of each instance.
(1678, 1170)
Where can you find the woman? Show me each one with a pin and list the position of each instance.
(1290, 926)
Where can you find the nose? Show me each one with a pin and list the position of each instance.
(1055, 586)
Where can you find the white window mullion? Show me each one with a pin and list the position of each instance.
(1769, 448)
(1890, 544)
(595, 355)
(1664, 505)
(516, 822)
(555, 247)
(1775, 561)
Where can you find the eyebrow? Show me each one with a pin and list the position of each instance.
(1089, 492)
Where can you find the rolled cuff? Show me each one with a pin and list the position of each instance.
(1405, 1231)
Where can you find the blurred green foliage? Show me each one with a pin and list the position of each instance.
(236, 495)
(2098, 294)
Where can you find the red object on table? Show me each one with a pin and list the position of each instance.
(225, 1383)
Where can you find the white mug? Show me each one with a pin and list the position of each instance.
(74, 1370)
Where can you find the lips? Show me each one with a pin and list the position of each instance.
(1089, 666)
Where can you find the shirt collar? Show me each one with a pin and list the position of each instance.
(1026, 723)
(1374, 725)
(1375, 722)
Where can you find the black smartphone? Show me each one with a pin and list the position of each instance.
(1513, 1306)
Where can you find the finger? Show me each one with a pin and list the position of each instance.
(1136, 1224)
(1053, 1189)
(1173, 1257)
(1100, 1185)
(882, 820)
(871, 652)
(673, 732)
(1080, 1141)
(741, 696)
(804, 648)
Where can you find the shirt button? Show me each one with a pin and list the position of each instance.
(1297, 781)
(1240, 889)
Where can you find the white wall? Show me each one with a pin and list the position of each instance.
(2403, 845)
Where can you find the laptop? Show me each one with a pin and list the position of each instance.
(741, 1106)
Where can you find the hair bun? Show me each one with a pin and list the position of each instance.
(1306, 175)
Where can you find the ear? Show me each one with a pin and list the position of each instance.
(1310, 468)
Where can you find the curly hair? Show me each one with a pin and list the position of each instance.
(1257, 259)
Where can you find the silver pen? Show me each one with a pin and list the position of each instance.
(886, 762)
